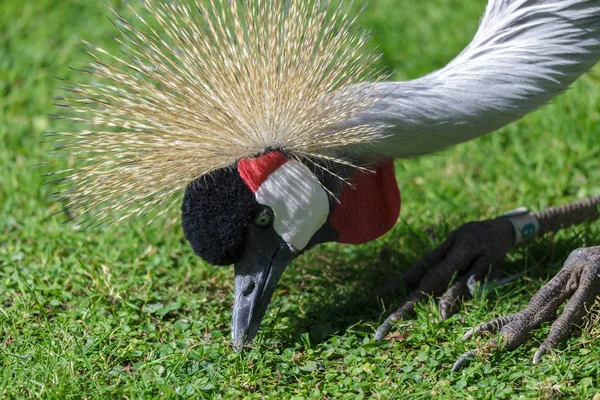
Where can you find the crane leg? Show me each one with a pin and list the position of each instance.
(476, 249)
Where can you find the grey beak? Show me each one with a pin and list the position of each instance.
(256, 276)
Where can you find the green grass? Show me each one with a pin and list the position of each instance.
(131, 312)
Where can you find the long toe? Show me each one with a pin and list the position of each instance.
(578, 281)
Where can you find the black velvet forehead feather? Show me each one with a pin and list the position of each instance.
(216, 214)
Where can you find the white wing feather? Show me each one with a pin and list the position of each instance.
(524, 53)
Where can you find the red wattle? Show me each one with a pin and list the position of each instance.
(254, 171)
(369, 207)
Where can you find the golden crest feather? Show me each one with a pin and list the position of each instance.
(200, 85)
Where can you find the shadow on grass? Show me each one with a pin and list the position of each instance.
(354, 289)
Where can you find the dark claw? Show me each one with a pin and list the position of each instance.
(405, 311)
(463, 360)
(384, 329)
(542, 351)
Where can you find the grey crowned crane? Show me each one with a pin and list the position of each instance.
(268, 115)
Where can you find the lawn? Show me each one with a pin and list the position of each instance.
(130, 312)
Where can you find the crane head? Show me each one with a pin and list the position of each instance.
(264, 211)
(191, 102)
(258, 216)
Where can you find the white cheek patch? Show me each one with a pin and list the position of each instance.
(300, 205)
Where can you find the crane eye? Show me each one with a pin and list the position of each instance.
(264, 219)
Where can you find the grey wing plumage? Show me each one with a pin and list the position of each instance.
(524, 53)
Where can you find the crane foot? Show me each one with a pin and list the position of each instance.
(471, 252)
(578, 281)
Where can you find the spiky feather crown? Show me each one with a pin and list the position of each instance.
(200, 85)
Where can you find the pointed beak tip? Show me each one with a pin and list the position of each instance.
(255, 282)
